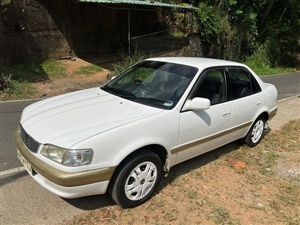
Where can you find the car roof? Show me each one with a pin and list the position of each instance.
(199, 62)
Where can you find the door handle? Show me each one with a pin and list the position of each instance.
(226, 114)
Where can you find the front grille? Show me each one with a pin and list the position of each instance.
(30, 143)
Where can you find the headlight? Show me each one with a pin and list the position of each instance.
(77, 157)
(68, 157)
(53, 152)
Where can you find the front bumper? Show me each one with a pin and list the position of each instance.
(65, 184)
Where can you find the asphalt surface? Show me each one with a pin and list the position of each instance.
(10, 113)
(288, 85)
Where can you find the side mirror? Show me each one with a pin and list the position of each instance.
(197, 104)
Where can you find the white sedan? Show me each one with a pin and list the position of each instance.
(124, 136)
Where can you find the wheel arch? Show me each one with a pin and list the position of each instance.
(155, 148)
(265, 115)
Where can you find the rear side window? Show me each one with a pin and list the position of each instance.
(242, 83)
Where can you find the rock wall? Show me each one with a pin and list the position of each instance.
(37, 30)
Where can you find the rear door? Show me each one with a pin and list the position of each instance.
(246, 98)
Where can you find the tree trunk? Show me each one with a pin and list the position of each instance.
(271, 2)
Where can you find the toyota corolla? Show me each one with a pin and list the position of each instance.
(124, 136)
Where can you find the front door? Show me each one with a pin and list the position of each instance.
(204, 130)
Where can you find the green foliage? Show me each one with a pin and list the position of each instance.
(231, 29)
(221, 216)
(35, 72)
(209, 23)
(4, 2)
(20, 90)
(128, 60)
(15, 89)
(4, 82)
(228, 29)
(88, 70)
(280, 32)
(16, 81)
(260, 63)
(54, 69)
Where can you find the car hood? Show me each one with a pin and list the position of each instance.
(68, 119)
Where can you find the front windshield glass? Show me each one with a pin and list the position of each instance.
(158, 84)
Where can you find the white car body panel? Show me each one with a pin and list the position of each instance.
(197, 125)
(160, 129)
(75, 117)
(115, 127)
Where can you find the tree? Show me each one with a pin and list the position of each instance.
(232, 29)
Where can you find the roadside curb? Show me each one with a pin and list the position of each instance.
(22, 100)
(14, 170)
(289, 98)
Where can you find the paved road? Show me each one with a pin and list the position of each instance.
(10, 113)
(288, 85)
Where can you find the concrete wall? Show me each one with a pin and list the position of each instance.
(37, 30)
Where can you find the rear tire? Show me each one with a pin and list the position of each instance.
(137, 179)
(255, 133)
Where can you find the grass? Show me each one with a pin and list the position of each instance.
(17, 81)
(260, 64)
(221, 216)
(215, 191)
(267, 70)
(35, 72)
(88, 70)
(21, 90)
(54, 69)
(129, 60)
(20, 78)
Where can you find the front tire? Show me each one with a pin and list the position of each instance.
(255, 133)
(137, 179)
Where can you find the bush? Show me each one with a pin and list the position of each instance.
(261, 64)
(129, 60)
(5, 82)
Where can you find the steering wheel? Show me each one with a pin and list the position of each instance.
(144, 85)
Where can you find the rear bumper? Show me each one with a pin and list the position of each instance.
(273, 113)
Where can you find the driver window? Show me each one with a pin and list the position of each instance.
(213, 87)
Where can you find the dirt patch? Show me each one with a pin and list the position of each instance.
(72, 82)
(232, 185)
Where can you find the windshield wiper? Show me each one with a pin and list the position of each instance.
(131, 96)
(143, 99)
(119, 92)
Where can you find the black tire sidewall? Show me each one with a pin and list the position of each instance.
(117, 191)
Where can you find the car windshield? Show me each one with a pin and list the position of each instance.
(158, 84)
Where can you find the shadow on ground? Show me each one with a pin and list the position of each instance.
(100, 201)
(6, 179)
